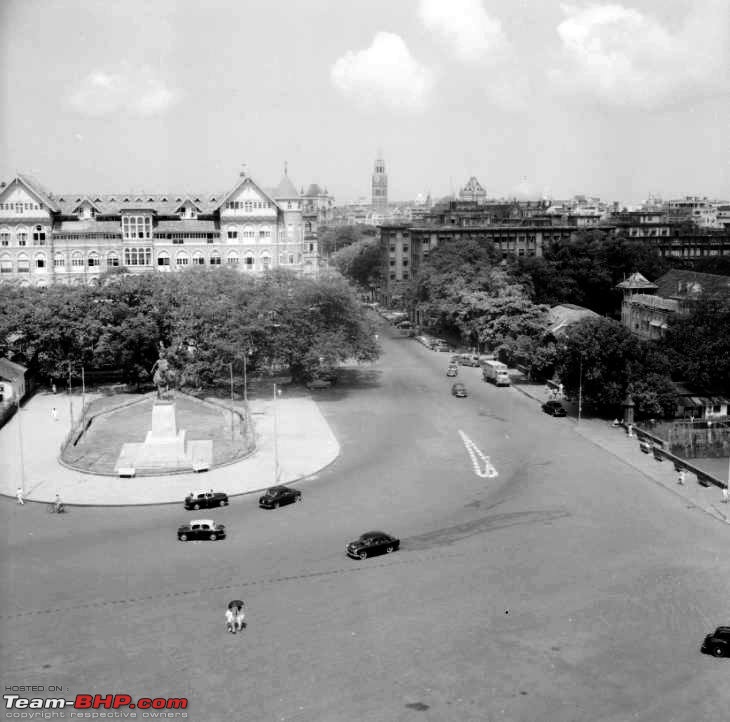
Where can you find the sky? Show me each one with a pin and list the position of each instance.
(536, 98)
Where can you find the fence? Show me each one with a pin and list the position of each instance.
(693, 439)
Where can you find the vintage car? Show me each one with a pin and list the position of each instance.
(554, 408)
(452, 371)
(371, 543)
(459, 390)
(718, 643)
(315, 384)
(277, 496)
(201, 529)
(206, 499)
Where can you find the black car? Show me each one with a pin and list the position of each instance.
(718, 643)
(277, 496)
(201, 529)
(459, 390)
(206, 499)
(554, 408)
(370, 543)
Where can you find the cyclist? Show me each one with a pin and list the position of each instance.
(58, 505)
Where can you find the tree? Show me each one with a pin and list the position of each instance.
(360, 262)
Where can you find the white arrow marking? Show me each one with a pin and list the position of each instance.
(475, 454)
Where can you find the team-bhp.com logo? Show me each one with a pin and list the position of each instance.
(120, 703)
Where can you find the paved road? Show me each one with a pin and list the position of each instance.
(568, 588)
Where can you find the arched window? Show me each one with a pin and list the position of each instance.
(93, 260)
(4, 237)
(249, 234)
(198, 259)
(112, 259)
(40, 261)
(308, 226)
(77, 261)
(215, 259)
(282, 259)
(231, 233)
(248, 262)
(22, 236)
(6, 265)
(182, 259)
(264, 233)
(232, 259)
(163, 258)
(266, 261)
(39, 236)
(23, 264)
(59, 261)
(137, 256)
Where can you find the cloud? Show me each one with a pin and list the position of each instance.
(136, 91)
(385, 74)
(464, 26)
(623, 57)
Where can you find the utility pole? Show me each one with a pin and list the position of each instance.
(20, 447)
(83, 397)
(70, 401)
(230, 365)
(276, 438)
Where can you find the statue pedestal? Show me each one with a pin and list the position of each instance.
(165, 447)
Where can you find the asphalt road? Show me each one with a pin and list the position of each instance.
(568, 588)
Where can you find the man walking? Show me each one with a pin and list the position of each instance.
(19, 494)
(54, 413)
(680, 480)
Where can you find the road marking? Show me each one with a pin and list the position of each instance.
(476, 456)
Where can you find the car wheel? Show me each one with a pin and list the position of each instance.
(196, 507)
(183, 537)
(221, 503)
(299, 498)
(389, 549)
(362, 555)
(718, 651)
(213, 537)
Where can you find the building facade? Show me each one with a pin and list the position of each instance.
(73, 238)
(379, 186)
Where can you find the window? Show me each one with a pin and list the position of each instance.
(232, 259)
(137, 256)
(291, 258)
(392, 262)
(59, 261)
(249, 234)
(311, 247)
(232, 234)
(163, 258)
(22, 238)
(405, 262)
(265, 233)
(266, 262)
(39, 236)
(405, 248)
(134, 227)
(198, 259)
(182, 259)
(93, 260)
(177, 241)
(23, 265)
(77, 260)
(112, 260)
(248, 206)
(6, 265)
(392, 276)
(248, 262)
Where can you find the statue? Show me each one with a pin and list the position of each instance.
(163, 375)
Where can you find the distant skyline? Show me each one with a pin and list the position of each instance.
(613, 99)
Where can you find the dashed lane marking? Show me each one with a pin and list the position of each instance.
(483, 467)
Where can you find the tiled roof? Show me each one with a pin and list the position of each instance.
(636, 281)
(89, 226)
(186, 225)
(563, 315)
(648, 301)
(10, 370)
(39, 190)
(285, 189)
(682, 284)
(165, 204)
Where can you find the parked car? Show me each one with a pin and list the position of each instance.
(442, 346)
(469, 359)
(277, 496)
(206, 499)
(371, 543)
(718, 643)
(459, 390)
(315, 384)
(452, 371)
(554, 408)
(201, 529)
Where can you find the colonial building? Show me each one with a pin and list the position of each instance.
(73, 238)
(379, 187)
(473, 191)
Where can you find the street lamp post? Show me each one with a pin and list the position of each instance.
(230, 366)
(20, 447)
(276, 438)
(70, 400)
(580, 389)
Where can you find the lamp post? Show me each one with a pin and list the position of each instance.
(246, 354)
(276, 437)
(70, 400)
(230, 366)
(20, 447)
(580, 388)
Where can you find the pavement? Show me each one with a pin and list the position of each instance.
(39, 472)
(615, 441)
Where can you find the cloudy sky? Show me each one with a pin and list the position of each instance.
(533, 97)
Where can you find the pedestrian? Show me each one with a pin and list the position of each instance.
(725, 495)
(230, 621)
(560, 391)
(19, 494)
(53, 388)
(54, 413)
(680, 480)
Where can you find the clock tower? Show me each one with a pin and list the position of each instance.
(380, 186)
